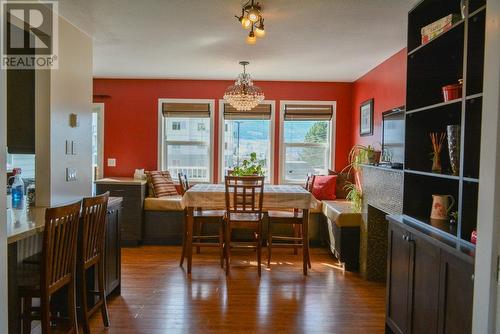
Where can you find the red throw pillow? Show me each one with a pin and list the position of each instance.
(324, 187)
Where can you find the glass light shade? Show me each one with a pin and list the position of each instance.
(243, 95)
(246, 23)
(251, 39)
(253, 15)
(260, 32)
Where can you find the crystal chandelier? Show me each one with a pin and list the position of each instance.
(243, 95)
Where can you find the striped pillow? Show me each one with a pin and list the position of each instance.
(161, 184)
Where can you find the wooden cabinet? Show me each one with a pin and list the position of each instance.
(113, 248)
(133, 193)
(429, 283)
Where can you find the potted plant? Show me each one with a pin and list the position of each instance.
(354, 195)
(251, 167)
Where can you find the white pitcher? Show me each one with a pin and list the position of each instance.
(441, 206)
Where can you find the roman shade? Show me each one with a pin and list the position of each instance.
(186, 110)
(308, 112)
(262, 112)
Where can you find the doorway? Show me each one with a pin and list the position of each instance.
(97, 140)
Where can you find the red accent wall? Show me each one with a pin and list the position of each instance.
(386, 84)
(131, 115)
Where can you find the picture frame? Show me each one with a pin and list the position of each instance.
(366, 118)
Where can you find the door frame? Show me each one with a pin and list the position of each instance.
(488, 219)
(3, 202)
(99, 108)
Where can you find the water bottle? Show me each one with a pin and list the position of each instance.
(17, 190)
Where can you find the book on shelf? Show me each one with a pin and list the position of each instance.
(436, 28)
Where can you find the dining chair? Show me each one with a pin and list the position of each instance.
(57, 270)
(201, 217)
(244, 197)
(294, 218)
(91, 255)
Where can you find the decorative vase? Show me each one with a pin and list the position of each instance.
(436, 163)
(453, 132)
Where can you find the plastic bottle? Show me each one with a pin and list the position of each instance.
(17, 190)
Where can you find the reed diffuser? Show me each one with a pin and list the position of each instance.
(437, 140)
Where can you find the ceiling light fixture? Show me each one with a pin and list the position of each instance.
(251, 18)
(243, 95)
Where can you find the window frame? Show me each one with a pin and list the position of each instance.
(331, 135)
(222, 132)
(162, 132)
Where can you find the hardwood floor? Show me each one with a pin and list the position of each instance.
(158, 297)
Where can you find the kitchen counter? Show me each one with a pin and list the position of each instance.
(22, 224)
(120, 180)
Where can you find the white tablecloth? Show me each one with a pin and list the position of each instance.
(212, 196)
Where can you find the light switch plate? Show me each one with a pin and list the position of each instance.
(112, 162)
(71, 174)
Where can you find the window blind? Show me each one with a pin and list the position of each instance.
(308, 112)
(186, 110)
(261, 112)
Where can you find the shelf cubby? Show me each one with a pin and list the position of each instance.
(475, 53)
(475, 5)
(438, 64)
(418, 145)
(417, 203)
(472, 142)
(469, 210)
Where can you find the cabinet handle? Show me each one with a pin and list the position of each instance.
(472, 277)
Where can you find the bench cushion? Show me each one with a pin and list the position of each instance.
(168, 203)
(342, 213)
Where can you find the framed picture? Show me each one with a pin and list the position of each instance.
(366, 118)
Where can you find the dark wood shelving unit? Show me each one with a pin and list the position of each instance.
(456, 54)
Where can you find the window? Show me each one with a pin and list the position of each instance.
(307, 143)
(244, 133)
(176, 126)
(186, 146)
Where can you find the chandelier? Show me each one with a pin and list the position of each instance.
(243, 95)
(251, 19)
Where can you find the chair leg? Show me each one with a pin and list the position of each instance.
(102, 293)
(227, 246)
(259, 248)
(199, 229)
(183, 254)
(221, 243)
(84, 302)
(296, 234)
(45, 312)
(72, 306)
(269, 243)
(26, 315)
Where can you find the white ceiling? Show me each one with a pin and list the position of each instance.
(307, 40)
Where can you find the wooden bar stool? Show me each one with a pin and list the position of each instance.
(91, 254)
(201, 217)
(296, 219)
(57, 270)
(244, 199)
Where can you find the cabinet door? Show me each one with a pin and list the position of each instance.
(398, 274)
(113, 250)
(424, 286)
(457, 288)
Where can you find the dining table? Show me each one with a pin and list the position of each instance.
(276, 197)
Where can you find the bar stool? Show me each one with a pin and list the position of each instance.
(91, 255)
(244, 199)
(201, 217)
(57, 269)
(291, 217)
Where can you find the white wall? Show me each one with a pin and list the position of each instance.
(60, 93)
(485, 285)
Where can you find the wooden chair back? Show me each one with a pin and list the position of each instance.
(59, 246)
(184, 182)
(310, 182)
(244, 194)
(94, 213)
